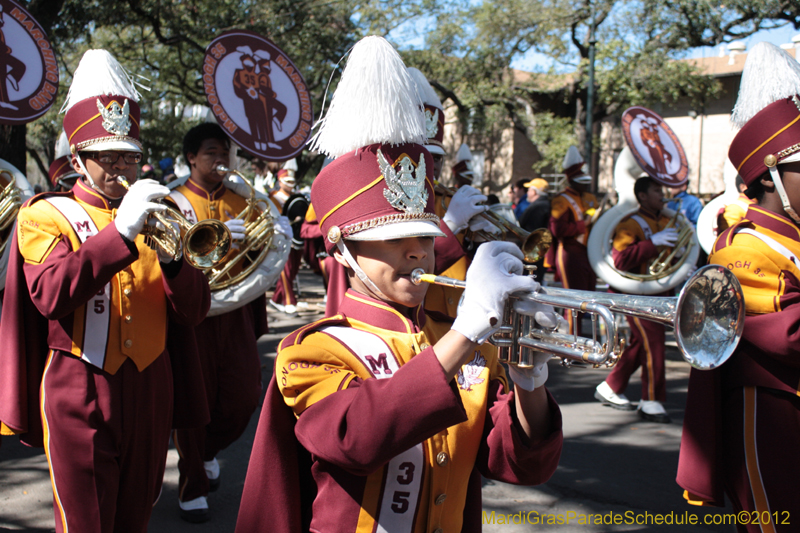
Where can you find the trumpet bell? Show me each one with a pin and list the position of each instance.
(207, 243)
(710, 317)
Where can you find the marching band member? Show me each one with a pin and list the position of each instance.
(743, 418)
(570, 213)
(283, 298)
(690, 205)
(226, 342)
(735, 211)
(383, 418)
(62, 175)
(314, 245)
(462, 169)
(88, 294)
(638, 239)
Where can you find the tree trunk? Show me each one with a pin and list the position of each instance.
(12, 145)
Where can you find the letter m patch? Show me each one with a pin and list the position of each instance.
(379, 366)
(82, 225)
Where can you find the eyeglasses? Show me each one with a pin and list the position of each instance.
(109, 158)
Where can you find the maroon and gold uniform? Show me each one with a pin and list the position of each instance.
(734, 212)
(107, 384)
(228, 352)
(632, 251)
(733, 411)
(415, 446)
(569, 226)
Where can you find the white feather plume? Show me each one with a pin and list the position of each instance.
(463, 154)
(424, 88)
(376, 102)
(769, 75)
(62, 146)
(573, 157)
(97, 74)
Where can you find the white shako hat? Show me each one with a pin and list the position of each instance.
(434, 112)
(767, 112)
(463, 166)
(573, 166)
(101, 108)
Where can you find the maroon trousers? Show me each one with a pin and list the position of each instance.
(284, 289)
(232, 378)
(574, 270)
(106, 440)
(760, 427)
(646, 349)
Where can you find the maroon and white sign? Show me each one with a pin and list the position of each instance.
(257, 95)
(655, 146)
(28, 68)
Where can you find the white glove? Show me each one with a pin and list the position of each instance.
(544, 315)
(282, 225)
(463, 206)
(136, 205)
(481, 224)
(236, 227)
(493, 275)
(533, 377)
(665, 237)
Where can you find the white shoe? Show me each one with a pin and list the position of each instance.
(302, 305)
(197, 503)
(212, 473)
(278, 307)
(604, 393)
(290, 310)
(653, 411)
(195, 511)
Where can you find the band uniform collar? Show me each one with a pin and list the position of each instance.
(380, 314)
(91, 197)
(779, 224)
(213, 195)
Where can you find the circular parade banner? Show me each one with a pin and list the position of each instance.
(655, 146)
(28, 68)
(257, 95)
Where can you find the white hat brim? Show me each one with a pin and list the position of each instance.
(122, 146)
(432, 148)
(582, 179)
(399, 230)
(791, 159)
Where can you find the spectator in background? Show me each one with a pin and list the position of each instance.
(492, 199)
(537, 215)
(148, 172)
(520, 200)
(690, 204)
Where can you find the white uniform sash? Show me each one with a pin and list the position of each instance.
(578, 215)
(404, 472)
(184, 205)
(648, 233)
(772, 243)
(98, 309)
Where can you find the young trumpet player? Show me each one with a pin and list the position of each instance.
(742, 419)
(85, 320)
(382, 417)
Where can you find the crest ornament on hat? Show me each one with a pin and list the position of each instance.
(116, 120)
(434, 112)
(406, 190)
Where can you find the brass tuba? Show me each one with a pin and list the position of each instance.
(204, 245)
(14, 191)
(259, 232)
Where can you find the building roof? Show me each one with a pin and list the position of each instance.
(727, 65)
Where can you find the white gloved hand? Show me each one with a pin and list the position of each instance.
(665, 237)
(282, 225)
(136, 205)
(492, 276)
(238, 233)
(477, 224)
(463, 206)
(533, 377)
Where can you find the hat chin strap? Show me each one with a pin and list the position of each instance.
(357, 269)
(90, 180)
(776, 179)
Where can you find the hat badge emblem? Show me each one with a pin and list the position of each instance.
(406, 185)
(116, 119)
(431, 123)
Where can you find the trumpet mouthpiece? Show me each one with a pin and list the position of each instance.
(122, 181)
(416, 276)
(222, 169)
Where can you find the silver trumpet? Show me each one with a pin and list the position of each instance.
(708, 317)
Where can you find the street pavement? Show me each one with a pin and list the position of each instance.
(614, 466)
